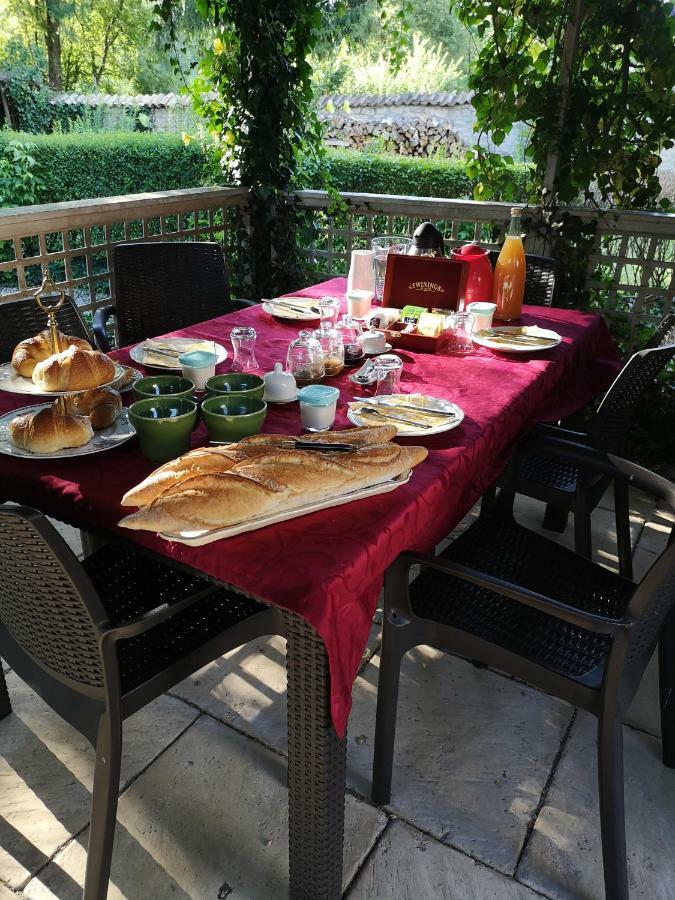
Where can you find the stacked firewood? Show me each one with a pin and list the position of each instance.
(408, 136)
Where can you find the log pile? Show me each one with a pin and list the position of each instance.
(407, 136)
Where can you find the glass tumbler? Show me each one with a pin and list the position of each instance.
(329, 309)
(461, 326)
(382, 246)
(388, 368)
(243, 344)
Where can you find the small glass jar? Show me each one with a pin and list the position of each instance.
(329, 309)
(333, 348)
(305, 359)
(318, 404)
(388, 368)
(351, 333)
(243, 345)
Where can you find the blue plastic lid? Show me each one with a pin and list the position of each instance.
(318, 395)
(197, 359)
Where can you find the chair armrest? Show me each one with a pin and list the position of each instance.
(240, 303)
(146, 621)
(547, 429)
(556, 609)
(101, 317)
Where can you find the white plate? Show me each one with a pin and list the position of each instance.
(198, 538)
(290, 315)
(137, 375)
(17, 384)
(435, 403)
(119, 432)
(182, 344)
(503, 347)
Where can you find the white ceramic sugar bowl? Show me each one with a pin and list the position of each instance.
(280, 386)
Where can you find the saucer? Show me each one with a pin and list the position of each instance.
(387, 348)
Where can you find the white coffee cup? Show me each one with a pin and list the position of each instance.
(482, 314)
(374, 341)
(359, 303)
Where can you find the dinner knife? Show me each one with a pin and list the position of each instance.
(301, 445)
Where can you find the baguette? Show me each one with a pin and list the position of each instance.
(27, 354)
(102, 405)
(222, 459)
(46, 431)
(274, 482)
(74, 370)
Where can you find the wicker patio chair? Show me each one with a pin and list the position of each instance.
(21, 319)
(163, 286)
(539, 278)
(98, 640)
(561, 486)
(508, 598)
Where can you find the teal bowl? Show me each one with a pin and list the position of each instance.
(239, 383)
(163, 426)
(163, 386)
(233, 418)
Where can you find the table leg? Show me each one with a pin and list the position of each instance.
(316, 770)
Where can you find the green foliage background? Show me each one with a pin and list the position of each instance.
(79, 166)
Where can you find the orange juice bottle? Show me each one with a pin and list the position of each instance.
(509, 279)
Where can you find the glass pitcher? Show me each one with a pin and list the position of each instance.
(333, 348)
(305, 359)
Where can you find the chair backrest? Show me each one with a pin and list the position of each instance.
(539, 278)
(48, 605)
(608, 427)
(21, 319)
(164, 286)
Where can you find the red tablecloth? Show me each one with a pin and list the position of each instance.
(328, 567)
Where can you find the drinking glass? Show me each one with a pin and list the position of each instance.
(243, 345)
(461, 326)
(382, 246)
(329, 309)
(388, 368)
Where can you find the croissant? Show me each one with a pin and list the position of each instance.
(46, 431)
(102, 405)
(33, 350)
(74, 370)
(274, 482)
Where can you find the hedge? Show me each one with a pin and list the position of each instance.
(352, 170)
(79, 166)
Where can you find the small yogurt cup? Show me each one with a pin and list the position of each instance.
(359, 303)
(318, 404)
(198, 366)
(482, 314)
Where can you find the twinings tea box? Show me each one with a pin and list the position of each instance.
(422, 281)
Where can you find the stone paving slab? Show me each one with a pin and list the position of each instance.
(46, 773)
(563, 858)
(210, 814)
(408, 865)
(645, 712)
(473, 752)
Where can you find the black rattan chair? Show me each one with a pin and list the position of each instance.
(508, 598)
(561, 486)
(539, 278)
(161, 287)
(21, 319)
(98, 640)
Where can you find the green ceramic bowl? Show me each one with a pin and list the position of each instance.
(163, 426)
(239, 383)
(164, 386)
(234, 417)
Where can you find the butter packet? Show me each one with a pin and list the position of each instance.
(412, 313)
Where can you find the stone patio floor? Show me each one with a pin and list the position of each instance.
(494, 792)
